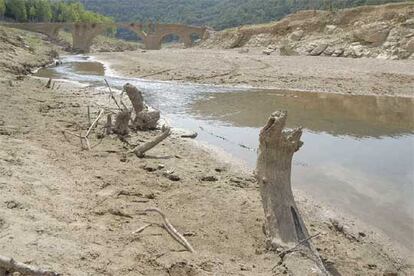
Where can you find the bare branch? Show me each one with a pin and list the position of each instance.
(171, 229)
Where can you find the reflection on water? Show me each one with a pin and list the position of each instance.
(358, 116)
(81, 66)
(358, 154)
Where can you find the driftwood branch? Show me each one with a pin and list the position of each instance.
(10, 265)
(111, 94)
(85, 138)
(139, 230)
(142, 149)
(171, 229)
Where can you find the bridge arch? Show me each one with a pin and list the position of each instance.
(179, 37)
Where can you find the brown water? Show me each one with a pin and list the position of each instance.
(358, 155)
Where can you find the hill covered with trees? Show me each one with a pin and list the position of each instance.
(48, 11)
(218, 14)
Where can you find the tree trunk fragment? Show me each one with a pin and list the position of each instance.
(284, 225)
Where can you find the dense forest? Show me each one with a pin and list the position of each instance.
(218, 14)
(48, 11)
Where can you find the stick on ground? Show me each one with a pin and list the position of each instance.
(10, 265)
(171, 230)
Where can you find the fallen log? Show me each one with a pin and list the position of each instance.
(284, 226)
(142, 149)
(9, 265)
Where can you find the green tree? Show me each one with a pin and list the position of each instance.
(44, 10)
(16, 9)
(2, 8)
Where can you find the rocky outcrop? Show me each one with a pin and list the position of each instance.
(385, 32)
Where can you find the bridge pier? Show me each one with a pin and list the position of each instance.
(152, 42)
(186, 39)
(83, 35)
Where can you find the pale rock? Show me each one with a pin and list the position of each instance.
(357, 51)
(338, 52)
(330, 29)
(329, 51)
(319, 49)
(389, 44)
(374, 33)
(268, 51)
(409, 45)
(409, 23)
(296, 35)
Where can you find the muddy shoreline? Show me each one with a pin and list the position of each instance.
(253, 69)
(88, 202)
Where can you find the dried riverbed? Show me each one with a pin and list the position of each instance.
(74, 211)
(358, 153)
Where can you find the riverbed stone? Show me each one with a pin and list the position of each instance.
(319, 49)
(297, 35)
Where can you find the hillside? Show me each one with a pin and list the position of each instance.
(219, 14)
(385, 31)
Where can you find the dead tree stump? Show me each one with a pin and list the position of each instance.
(121, 123)
(145, 119)
(284, 226)
(135, 96)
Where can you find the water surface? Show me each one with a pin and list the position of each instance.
(358, 154)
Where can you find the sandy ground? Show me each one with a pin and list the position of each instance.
(74, 211)
(230, 67)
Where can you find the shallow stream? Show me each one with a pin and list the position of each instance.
(358, 155)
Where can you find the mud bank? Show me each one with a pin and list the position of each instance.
(231, 67)
(74, 211)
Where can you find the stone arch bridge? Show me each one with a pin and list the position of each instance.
(84, 33)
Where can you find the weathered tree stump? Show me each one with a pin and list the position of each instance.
(284, 226)
(121, 122)
(145, 119)
(135, 96)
